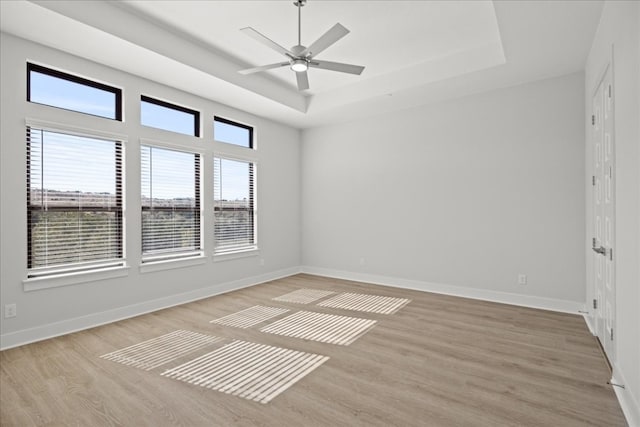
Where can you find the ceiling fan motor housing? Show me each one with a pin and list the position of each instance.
(298, 49)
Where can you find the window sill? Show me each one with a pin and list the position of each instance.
(65, 279)
(240, 253)
(170, 264)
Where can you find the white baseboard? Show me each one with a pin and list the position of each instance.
(628, 401)
(552, 304)
(26, 336)
(588, 319)
(39, 333)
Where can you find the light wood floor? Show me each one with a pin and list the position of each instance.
(438, 361)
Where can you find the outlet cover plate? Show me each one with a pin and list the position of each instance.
(10, 310)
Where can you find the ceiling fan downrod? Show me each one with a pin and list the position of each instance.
(299, 4)
(299, 63)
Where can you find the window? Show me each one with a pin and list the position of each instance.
(232, 133)
(62, 90)
(234, 205)
(170, 203)
(74, 202)
(163, 115)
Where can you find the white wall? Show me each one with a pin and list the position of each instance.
(457, 197)
(56, 310)
(618, 35)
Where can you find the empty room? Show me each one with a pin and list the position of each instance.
(319, 213)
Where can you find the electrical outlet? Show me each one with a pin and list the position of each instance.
(522, 279)
(363, 261)
(261, 261)
(10, 310)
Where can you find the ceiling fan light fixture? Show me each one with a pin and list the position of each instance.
(299, 65)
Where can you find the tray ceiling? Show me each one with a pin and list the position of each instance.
(415, 52)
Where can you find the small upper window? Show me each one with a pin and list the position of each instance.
(163, 115)
(232, 133)
(62, 90)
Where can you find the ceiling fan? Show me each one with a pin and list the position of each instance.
(300, 57)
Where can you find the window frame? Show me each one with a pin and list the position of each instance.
(236, 124)
(79, 80)
(231, 252)
(148, 259)
(93, 266)
(169, 105)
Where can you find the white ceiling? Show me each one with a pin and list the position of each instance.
(384, 37)
(415, 52)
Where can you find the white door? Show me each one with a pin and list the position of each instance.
(603, 209)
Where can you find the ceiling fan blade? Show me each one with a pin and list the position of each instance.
(337, 66)
(266, 41)
(264, 68)
(334, 34)
(303, 80)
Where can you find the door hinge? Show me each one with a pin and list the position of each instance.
(611, 334)
(610, 254)
(609, 91)
(595, 303)
(610, 172)
(593, 180)
(593, 119)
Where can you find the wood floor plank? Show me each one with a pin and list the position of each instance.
(438, 361)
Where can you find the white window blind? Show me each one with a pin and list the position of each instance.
(74, 202)
(234, 205)
(170, 203)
